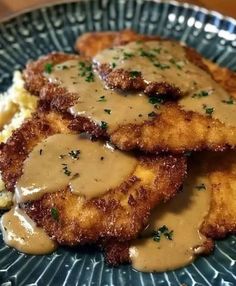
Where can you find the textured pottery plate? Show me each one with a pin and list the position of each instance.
(56, 28)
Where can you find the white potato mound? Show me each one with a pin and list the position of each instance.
(16, 105)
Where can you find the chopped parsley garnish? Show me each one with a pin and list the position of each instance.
(113, 65)
(66, 171)
(127, 55)
(229, 101)
(147, 54)
(40, 151)
(178, 64)
(134, 74)
(152, 114)
(102, 99)
(208, 110)
(162, 231)
(54, 213)
(108, 111)
(62, 156)
(157, 50)
(200, 94)
(155, 100)
(161, 66)
(103, 125)
(74, 154)
(200, 187)
(48, 68)
(86, 71)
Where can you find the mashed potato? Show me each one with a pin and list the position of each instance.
(16, 105)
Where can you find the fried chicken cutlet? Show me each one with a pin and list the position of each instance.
(154, 127)
(120, 213)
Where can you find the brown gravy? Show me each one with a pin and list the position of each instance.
(97, 102)
(89, 168)
(184, 216)
(166, 61)
(20, 232)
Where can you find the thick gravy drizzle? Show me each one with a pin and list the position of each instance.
(89, 168)
(183, 215)
(166, 61)
(20, 232)
(97, 102)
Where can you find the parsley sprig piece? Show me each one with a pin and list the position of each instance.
(48, 68)
(208, 110)
(134, 74)
(104, 125)
(102, 99)
(86, 71)
(55, 214)
(162, 231)
(74, 154)
(200, 94)
(108, 111)
(66, 171)
(228, 101)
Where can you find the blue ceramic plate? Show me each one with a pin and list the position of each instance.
(56, 28)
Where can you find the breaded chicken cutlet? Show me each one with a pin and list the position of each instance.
(169, 127)
(120, 214)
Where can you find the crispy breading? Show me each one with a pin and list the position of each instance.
(220, 169)
(225, 77)
(121, 213)
(89, 44)
(162, 133)
(92, 43)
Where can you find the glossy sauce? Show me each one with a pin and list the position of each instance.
(166, 61)
(183, 215)
(20, 232)
(89, 168)
(97, 102)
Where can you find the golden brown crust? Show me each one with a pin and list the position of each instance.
(81, 221)
(221, 170)
(33, 74)
(89, 44)
(155, 179)
(163, 133)
(225, 77)
(175, 130)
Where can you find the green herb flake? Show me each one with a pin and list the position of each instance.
(48, 68)
(134, 74)
(55, 214)
(86, 71)
(152, 114)
(113, 65)
(202, 93)
(228, 101)
(162, 231)
(108, 111)
(40, 152)
(147, 54)
(102, 99)
(200, 187)
(208, 110)
(155, 100)
(127, 56)
(161, 66)
(66, 171)
(103, 125)
(74, 154)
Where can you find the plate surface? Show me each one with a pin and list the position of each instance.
(56, 28)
